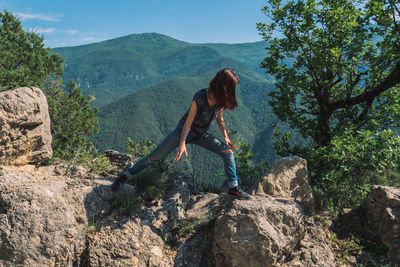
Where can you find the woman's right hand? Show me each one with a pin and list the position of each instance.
(181, 150)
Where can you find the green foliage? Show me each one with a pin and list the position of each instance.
(347, 247)
(189, 227)
(23, 59)
(91, 160)
(139, 150)
(342, 172)
(153, 182)
(248, 172)
(72, 117)
(335, 63)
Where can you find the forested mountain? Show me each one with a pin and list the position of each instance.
(114, 68)
(145, 83)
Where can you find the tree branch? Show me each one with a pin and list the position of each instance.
(364, 113)
(391, 80)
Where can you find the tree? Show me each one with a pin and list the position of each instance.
(23, 59)
(73, 120)
(336, 65)
(25, 62)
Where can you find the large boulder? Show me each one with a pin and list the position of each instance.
(271, 229)
(287, 179)
(133, 243)
(262, 231)
(24, 127)
(315, 248)
(379, 216)
(51, 217)
(45, 217)
(38, 225)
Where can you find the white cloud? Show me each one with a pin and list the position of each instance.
(25, 16)
(72, 31)
(89, 39)
(44, 30)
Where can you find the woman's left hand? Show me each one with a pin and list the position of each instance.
(229, 143)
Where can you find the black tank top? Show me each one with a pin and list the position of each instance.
(204, 116)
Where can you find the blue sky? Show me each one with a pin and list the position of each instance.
(77, 22)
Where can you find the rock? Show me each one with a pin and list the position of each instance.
(132, 244)
(262, 231)
(314, 249)
(287, 179)
(44, 217)
(71, 171)
(195, 251)
(379, 215)
(201, 205)
(51, 216)
(24, 127)
(38, 227)
(121, 160)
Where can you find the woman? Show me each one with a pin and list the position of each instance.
(207, 105)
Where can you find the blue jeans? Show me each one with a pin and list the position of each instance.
(206, 140)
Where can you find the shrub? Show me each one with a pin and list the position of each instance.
(343, 172)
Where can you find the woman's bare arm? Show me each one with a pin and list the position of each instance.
(221, 125)
(186, 130)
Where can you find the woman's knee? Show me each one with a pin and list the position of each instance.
(227, 154)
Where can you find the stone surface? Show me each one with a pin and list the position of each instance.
(131, 244)
(314, 249)
(38, 227)
(379, 215)
(195, 251)
(24, 127)
(118, 159)
(287, 179)
(262, 231)
(50, 216)
(44, 217)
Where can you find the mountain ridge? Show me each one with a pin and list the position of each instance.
(114, 68)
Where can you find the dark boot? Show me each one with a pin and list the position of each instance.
(120, 180)
(238, 193)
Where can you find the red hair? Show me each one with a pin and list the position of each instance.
(222, 88)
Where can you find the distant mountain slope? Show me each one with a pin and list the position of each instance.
(112, 69)
(250, 54)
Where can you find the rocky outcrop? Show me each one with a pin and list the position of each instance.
(52, 216)
(132, 244)
(59, 215)
(288, 179)
(43, 220)
(120, 161)
(315, 248)
(24, 127)
(271, 229)
(260, 232)
(378, 217)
